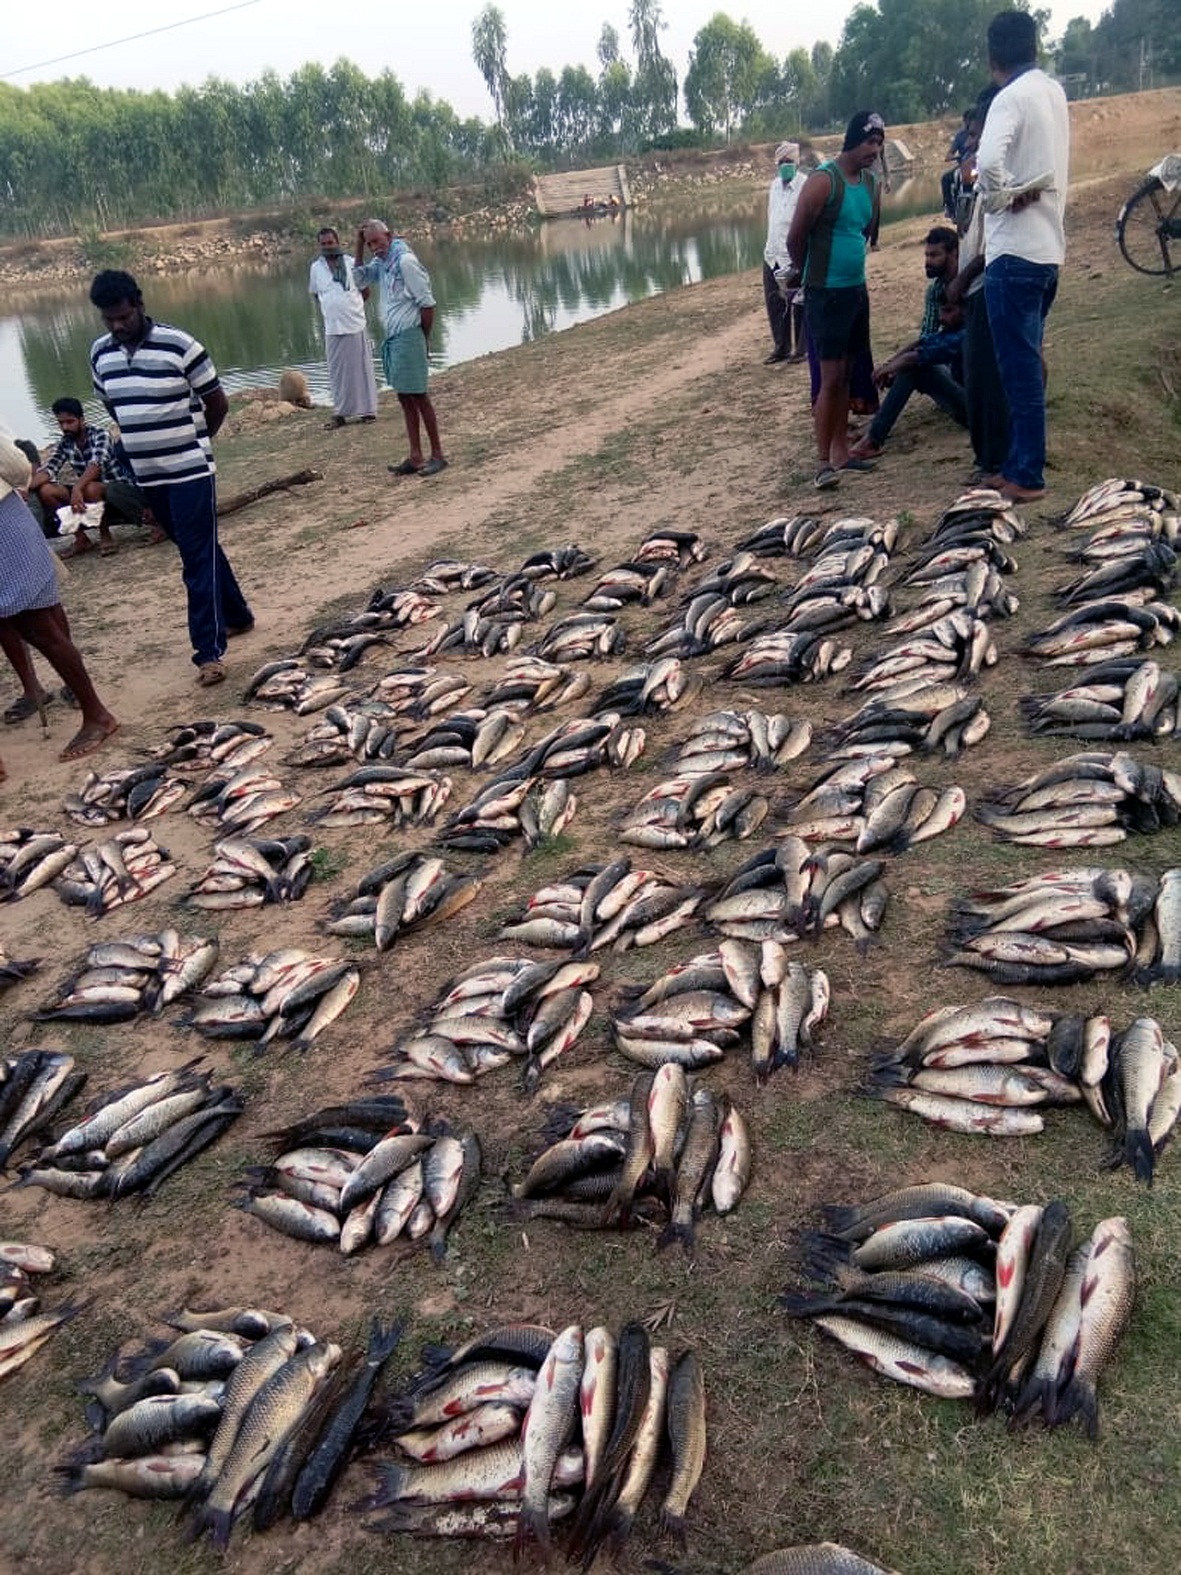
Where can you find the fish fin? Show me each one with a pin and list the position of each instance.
(806, 1304)
(823, 1255)
(1079, 1397)
(685, 1234)
(673, 1526)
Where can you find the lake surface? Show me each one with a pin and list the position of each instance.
(256, 319)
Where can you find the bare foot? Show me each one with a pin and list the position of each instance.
(82, 544)
(89, 737)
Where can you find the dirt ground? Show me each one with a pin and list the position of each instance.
(659, 415)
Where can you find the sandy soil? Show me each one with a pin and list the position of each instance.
(662, 414)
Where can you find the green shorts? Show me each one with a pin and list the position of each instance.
(403, 356)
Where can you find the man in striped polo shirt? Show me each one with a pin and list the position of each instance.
(161, 386)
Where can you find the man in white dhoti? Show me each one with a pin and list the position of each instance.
(346, 339)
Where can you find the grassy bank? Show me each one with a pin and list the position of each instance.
(661, 414)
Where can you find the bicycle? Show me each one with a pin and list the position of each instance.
(1149, 225)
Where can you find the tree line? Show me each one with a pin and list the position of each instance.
(75, 157)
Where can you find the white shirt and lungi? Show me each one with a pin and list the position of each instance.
(346, 341)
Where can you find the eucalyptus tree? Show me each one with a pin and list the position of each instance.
(655, 84)
(729, 72)
(490, 51)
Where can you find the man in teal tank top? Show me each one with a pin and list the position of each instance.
(827, 245)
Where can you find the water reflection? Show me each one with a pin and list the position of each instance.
(257, 317)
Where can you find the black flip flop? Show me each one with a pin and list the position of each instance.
(22, 708)
(406, 468)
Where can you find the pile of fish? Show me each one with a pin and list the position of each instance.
(650, 689)
(249, 871)
(1100, 630)
(384, 795)
(1121, 700)
(420, 692)
(876, 804)
(962, 563)
(31, 859)
(697, 1010)
(557, 563)
(788, 657)
(731, 740)
(538, 686)
(496, 1011)
(496, 1438)
(906, 1278)
(1147, 565)
(479, 634)
(287, 994)
(694, 812)
(582, 637)
(1117, 500)
(649, 573)
(34, 1086)
(356, 729)
(516, 597)
(290, 684)
(366, 1172)
(854, 551)
(134, 1139)
(408, 892)
(131, 793)
(794, 536)
(991, 1067)
(954, 648)
(24, 1328)
(105, 875)
(197, 747)
(240, 800)
(470, 739)
(242, 1408)
(789, 891)
(575, 747)
(117, 980)
(531, 808)
(1092, 799)
(445, 575)
(913, 715)
(13, 970)
(605, 904)
(1067, 925)
(665, 1152)
(342, 645)
(710, 618)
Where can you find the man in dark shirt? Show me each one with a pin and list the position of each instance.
(930, 363)
(100, 476)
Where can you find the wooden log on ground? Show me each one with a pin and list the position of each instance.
(242, 500)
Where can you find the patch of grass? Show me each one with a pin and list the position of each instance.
(327, 863)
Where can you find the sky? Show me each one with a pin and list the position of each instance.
(425, 46)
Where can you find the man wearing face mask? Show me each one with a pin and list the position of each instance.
(346, 341)
(785, 307)
(931, 364)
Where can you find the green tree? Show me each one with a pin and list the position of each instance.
(654, 92)
(489, 51)
(727, 71)
(607, 49)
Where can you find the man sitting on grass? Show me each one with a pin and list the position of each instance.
(930, 364)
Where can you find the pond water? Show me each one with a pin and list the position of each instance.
(256, 318)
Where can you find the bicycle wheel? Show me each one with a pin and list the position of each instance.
(1149, 229)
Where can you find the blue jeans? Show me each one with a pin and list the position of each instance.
(1019, 296)
(934, 381)
(187, 512)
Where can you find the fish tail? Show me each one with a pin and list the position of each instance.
(673, 1232)
(532, 1526)
(1079, 1398)
(1139, 1153)
(806, 1304)
(390, 1481)
(823, 1255)
(436, 1355)
(384, 1340)
(840, 1217)
(672, 1526)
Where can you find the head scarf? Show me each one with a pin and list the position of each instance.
(866, 123)
(787, 153)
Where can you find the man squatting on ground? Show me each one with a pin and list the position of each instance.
(826, 242)
(408, 312)
(101, 476)
(161, 386)
(931, 363)
(31, 610)
(346, 338)
(1025, 144)
(785, 306)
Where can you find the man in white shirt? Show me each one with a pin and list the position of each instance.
(785, 310)
(1024, 149)
(346, 341)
